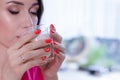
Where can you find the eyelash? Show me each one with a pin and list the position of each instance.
(14, 12)
(34, 13)
(17, 12)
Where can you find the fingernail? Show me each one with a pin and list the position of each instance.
(47, 49)
(52, 27)
(56, 51)
(37, 31)
(48, 40)
(43, 58)
(52, 31)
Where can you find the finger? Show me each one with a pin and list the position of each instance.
(32, 55)
(61, 56)
(31, 64)
(56, 37)
(36, 45)
(58, 60)
(58, 46)
(54, 34)
(25, 39)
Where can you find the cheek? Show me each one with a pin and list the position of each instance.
(6, 27)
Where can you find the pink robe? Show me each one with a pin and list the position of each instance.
(34, 73)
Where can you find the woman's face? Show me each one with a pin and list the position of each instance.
(16, 16)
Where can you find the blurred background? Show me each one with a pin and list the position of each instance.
(91, 36)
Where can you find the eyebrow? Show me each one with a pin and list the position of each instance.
(15, 2)
(20, 3)
(35, 4)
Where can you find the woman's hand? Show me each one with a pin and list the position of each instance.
(23, 55)
(50, 69)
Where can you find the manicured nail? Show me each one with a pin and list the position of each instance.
(43, 58)
(37, 31)
(48, 40)
(47, 49)
(52, 27)
(52, 31)
(56, 51)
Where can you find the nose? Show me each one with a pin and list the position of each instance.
(28, 21)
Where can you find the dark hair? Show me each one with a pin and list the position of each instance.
(40, 11)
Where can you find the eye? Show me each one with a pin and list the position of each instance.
(34, 13)
(13, 12)
(13, 9)
(34, 10)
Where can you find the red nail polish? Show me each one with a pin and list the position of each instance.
(47, 49)
(37, 31)
(56, 51)
(48, 40)
(52, 31)
(52, 27)
(43, 58)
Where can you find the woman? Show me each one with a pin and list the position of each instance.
(16, 51)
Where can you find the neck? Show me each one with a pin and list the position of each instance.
(3, 56)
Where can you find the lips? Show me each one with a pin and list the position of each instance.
(22, 33)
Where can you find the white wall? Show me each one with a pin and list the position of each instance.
(84, 17)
